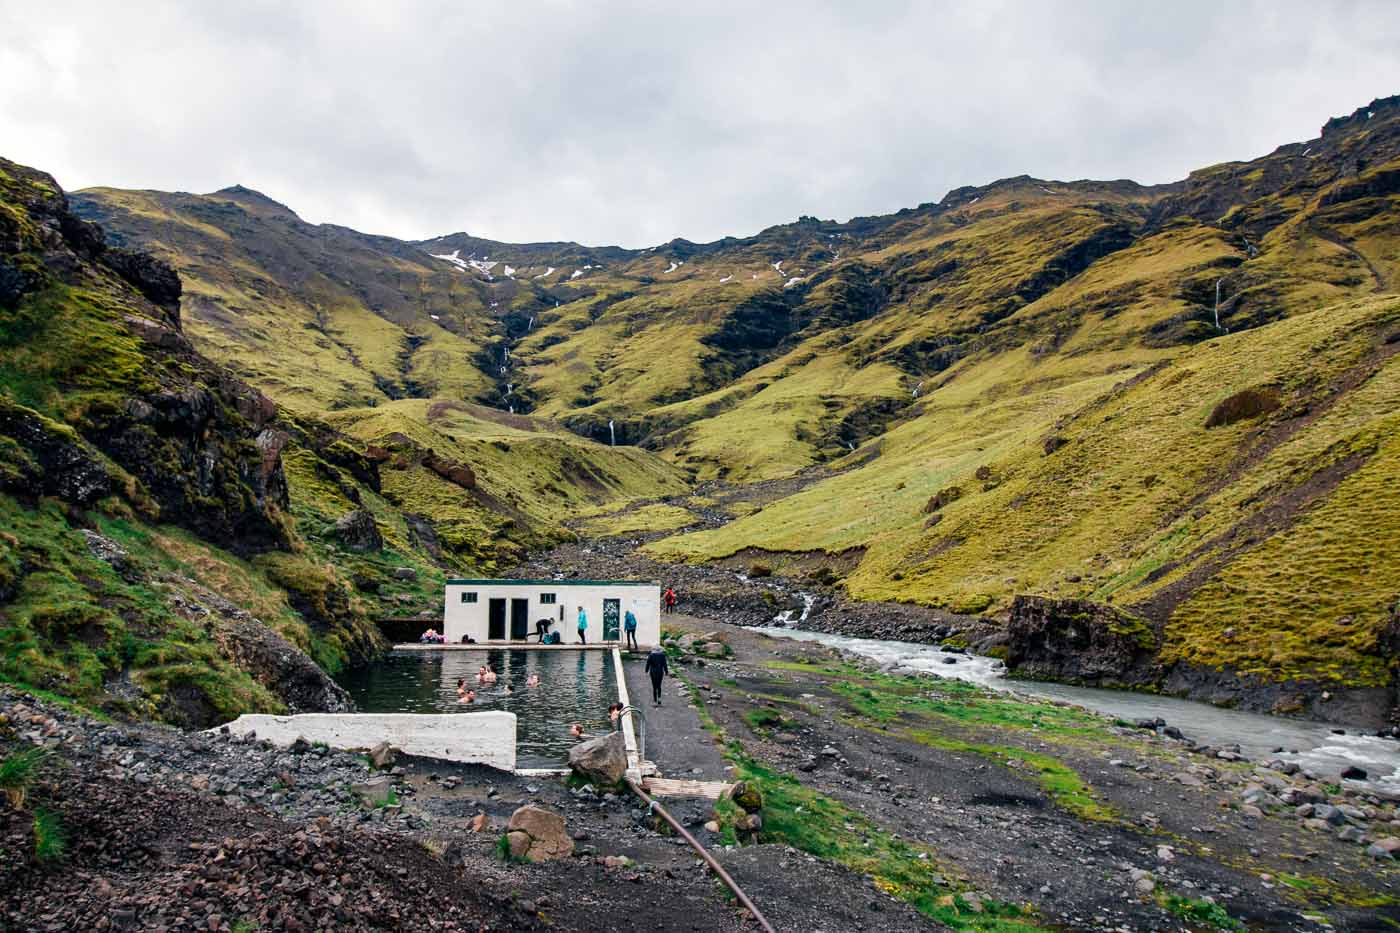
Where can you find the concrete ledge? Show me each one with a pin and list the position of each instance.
(486, 738)
(513, 646)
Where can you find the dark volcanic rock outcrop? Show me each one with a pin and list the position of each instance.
(1079, 641)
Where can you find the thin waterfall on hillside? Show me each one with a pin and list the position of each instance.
(530, 324)
(612, 434)
(915, 393)
(1217, 306)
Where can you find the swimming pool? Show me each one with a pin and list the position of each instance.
(575, 686)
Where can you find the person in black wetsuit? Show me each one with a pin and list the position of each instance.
(656, 669)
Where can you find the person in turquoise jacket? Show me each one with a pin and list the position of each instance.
(629, 625)
(582, 626)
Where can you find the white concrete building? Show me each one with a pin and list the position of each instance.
(512, 610)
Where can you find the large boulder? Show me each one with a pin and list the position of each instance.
(538, 835)
(602, 760)
(357, 531)
(450, 470)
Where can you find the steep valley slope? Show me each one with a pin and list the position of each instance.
(175, 544)
(1156, 424)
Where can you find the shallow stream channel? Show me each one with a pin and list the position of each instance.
(575, 686)
(1315, 746)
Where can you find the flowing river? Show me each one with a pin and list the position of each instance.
(1313, 745)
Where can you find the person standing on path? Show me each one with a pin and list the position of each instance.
(656, 669)
(629, 626)
(582, 626)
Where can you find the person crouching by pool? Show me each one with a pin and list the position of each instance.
(582, 626)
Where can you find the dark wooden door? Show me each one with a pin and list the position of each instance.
(519, 619)
(612, 611)
(496, 620)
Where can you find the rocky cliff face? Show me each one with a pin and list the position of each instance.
(112, 425)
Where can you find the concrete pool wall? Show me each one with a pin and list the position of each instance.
(486, 738)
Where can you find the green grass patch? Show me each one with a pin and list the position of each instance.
(18, 771)
(764, 719)
(1195, 910)
(50, 839)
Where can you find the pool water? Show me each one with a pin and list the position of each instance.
(575, 686)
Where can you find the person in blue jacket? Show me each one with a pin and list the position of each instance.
(629, 627)
(582, 626)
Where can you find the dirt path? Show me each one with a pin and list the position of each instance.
(675, 739)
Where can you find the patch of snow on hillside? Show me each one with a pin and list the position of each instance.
(674, 266)
(792, 281)
(576, 273)
(777, 266)
(510, 271)
(975, 200)
(546, 273)
(456, 259)
(726, 278)
(435, 317)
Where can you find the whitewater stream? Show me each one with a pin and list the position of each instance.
(1313, 745)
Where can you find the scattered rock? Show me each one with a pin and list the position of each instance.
(602, 761)
(358, 532)
(374, 793)
(538, 835)
(383, 756)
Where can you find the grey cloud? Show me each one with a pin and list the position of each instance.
(633, 123)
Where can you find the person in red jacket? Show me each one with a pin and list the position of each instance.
(669, 600)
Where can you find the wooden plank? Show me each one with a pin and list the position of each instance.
(676, 787)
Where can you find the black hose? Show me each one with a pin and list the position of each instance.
(715, 866)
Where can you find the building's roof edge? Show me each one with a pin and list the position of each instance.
(554, 582)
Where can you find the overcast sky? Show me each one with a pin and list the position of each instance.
(634, 123)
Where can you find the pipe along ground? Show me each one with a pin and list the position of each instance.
(715, 866)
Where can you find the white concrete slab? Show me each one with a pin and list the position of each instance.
(486, 738)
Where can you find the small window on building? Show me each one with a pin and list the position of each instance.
(546, 599)
(468, 597)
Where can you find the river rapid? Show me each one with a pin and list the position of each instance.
(1315, 746)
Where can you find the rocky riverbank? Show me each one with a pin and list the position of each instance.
(1092, 644)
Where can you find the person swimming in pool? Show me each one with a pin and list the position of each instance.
(468, 697)
(533, 680)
